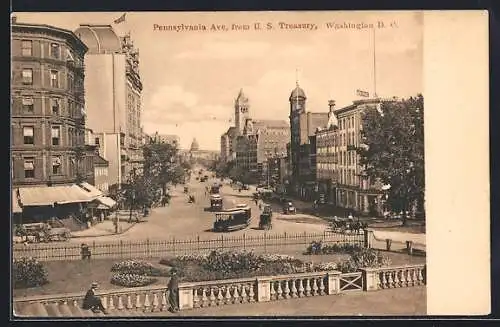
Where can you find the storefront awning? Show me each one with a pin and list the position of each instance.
(106, 201)
(91, 190)
(16, 208)
(47, 196)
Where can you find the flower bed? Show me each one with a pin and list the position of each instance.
(316, 248)
(135, 273)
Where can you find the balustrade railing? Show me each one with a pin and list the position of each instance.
(394, 277)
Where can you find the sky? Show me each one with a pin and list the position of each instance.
(191, 78)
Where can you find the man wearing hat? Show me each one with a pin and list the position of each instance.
(173, 291)
(91, 301)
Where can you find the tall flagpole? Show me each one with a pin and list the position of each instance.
(374, 66)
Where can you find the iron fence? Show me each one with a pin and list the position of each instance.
(264, 243)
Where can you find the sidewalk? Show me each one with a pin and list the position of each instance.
(402, 302)
(104, 228)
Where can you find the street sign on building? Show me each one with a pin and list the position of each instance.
(361, 93)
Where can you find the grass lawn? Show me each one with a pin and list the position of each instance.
(76, 275)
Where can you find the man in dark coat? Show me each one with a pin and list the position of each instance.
(173, 291)
(91, 301)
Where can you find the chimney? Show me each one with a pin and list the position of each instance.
(13, 19)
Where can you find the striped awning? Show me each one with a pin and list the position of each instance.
(16, 208)
(49, 195)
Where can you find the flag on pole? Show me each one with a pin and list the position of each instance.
(361, 93)
(121, 19)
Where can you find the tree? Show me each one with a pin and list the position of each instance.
(393, 151)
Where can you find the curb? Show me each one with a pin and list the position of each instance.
(106, 233)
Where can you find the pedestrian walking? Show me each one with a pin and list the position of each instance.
(173, 292)
(93, 302)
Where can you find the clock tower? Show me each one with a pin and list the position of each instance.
(241, 112)
(297, 109)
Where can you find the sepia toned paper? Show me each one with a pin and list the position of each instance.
(194, 64)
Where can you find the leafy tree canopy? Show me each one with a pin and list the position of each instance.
(393, 149)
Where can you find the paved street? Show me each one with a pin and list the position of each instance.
(184, 220)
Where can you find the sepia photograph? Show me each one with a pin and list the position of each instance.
(212, 164)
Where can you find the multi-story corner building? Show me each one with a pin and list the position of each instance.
(47, 106)
(340, 176)
(113, 98)
(302, 125)
(101, 174)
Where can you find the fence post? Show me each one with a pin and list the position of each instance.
(148, 254)
(121, 249)
(222, 241)
(198, 243)
(367, 238)
(173, 245)
(244, 242)
(305, 238)
(265, 243)
(93, 249)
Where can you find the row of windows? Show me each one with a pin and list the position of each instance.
(337, 140)
(346, 123)
(28, 105)
(27, 49)
(27, 74)
(103, 187)
(56, 139)
(29, 166)
(101, 172)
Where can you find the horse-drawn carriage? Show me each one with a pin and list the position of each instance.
(265, 221)
(288, 207)
(186, 189)
(232, 219)
(43, 232)
(343, 225)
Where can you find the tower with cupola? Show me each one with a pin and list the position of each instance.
(241, 112)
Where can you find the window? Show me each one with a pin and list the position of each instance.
(56, 135)
(29, 168)
(28, 76)
(56, 165)
(96, 141)
(55, 50)
(54, 78)
(55, 106)
(28, 133)
(28, 105)
(27, 48)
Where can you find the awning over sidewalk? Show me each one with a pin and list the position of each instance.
(48, 195)
(16, 208)
(91, 190)
(105, 201)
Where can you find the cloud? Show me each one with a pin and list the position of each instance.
(227, 50)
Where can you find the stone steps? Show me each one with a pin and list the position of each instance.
(69, 310)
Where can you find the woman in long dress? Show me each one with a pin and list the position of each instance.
(173, 292)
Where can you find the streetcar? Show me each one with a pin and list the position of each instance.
(215, 202)
(233, 219)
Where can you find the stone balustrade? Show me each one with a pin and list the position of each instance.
(194, 295)
(145, 299)
(394, 277)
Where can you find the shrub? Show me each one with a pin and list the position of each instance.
(326, 266)
(320, 248)
(364, 258)
(136, 267)
(29, 272)
(132, 280)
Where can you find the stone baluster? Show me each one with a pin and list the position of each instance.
(301, 287)
(413, 277)
(308, 287)
(420, 276)
(147, 303)
(156, 304)
(390, 279)
(321, 285)
(315, 287)
(251, 294)
(138, 301)
(383, 280)
(75, 303)
(120, 303)
(244, 293)
(286, 291)
(104, 300)
(220, 298)
(294, 288)
(212, 297)
(196, 299)
(204, 299)
(404, 280)
(279, 291)
(111, 305)
(164, 305)
(227, 298)
(273, 291)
